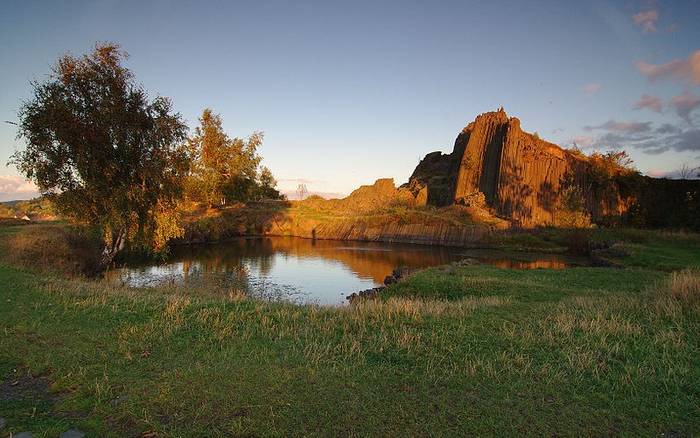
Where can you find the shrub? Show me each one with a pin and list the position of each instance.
(571, 211)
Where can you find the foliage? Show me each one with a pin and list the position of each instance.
(576, 151)
(103, 152)
(267, 184)
(6, 212)
(571, 211)
(226, 169)
(664, 203)
(605, 167)
(38, 208)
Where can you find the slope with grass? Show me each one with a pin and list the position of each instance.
(458, 350)
(378, 212)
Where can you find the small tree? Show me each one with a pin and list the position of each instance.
(226, 169)
(607, 166)
(687, 172)
(103, 152)
(268, 184)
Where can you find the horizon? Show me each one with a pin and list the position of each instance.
(349, 95)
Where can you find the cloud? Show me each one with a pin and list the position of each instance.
(687, 140)
(650, 102)
(592, 88)
(15, 187)
(667, 128)
(644, 136)
(647, 20)
(684, 104)
(621, 127)
(681, 141)
(684, 70)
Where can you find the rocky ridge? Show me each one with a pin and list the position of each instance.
(515, 174)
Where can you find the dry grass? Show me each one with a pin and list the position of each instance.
(413, 308)
(53, 248)
(683, 286)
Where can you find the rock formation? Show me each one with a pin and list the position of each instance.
(517, 175)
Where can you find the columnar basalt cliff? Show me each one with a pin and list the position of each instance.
(517, 175)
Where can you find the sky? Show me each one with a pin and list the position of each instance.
(348, 92)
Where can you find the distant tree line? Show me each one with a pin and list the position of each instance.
(107, 155)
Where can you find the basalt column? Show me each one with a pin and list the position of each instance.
(480, 163)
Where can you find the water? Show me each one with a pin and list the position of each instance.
(304, 270)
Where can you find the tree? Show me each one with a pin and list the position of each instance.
(605, 167)
(103, 152)
(687, 172)
(226, 169)
(268, 184)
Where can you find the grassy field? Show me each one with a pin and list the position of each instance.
(456, 350)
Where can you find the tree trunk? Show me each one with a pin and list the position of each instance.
(118, 241)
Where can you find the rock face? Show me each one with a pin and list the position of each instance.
(519, 176)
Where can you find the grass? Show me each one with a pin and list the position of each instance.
(459, 350)
(335, 217)
(51, 247)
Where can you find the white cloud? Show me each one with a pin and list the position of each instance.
(15, 187)
(647, 20)
(684, 70)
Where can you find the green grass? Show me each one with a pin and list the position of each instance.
(460, 350)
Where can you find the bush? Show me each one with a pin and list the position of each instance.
(571, 211)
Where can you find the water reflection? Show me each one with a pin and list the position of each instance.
(304, 270)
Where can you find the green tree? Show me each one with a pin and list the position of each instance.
(268, 184)
(225, 169)
(103, 152)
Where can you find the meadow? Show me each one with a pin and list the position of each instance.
(454, 350)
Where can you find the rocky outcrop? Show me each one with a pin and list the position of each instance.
(348, 229)
(518, 176)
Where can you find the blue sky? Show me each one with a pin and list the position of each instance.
(348, 92)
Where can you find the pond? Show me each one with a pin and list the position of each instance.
(307, 271)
